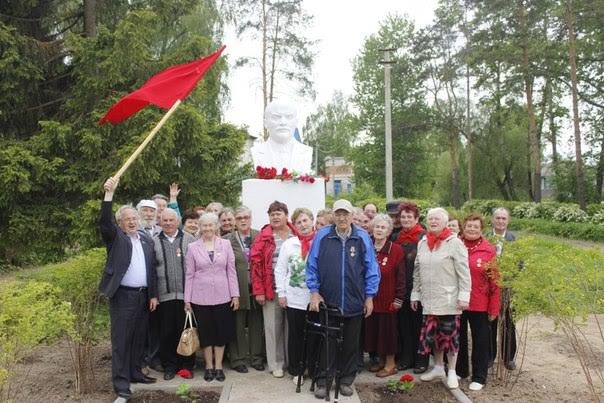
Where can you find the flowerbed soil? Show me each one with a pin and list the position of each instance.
(422, 392)
(165, 397)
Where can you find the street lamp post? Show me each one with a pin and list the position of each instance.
(388, 120)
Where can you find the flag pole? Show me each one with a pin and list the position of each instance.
(146, 141)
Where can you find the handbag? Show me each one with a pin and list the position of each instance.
(189, 339)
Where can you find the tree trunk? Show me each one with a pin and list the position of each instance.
(469, 135)
(468, 123)
(572, 55)
(553, 135)
(264, 57)
(454, 168)
(600, 170)
(534, 143)
(274, 54)
(90, 18)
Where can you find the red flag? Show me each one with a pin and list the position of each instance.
(163, 89)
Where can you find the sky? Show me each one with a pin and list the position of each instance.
(340, 27)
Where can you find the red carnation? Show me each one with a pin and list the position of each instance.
(407, 378)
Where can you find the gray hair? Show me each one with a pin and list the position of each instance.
(159, 196)
(209, 217)
(500, 209)
(120, 211)
(242, 209)
(440, 212)
(226, 210)
(381, 217)
(218, 206)
(168, 210)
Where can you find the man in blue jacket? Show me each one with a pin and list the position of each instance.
(342, 270)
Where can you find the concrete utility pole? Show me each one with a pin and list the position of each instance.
(388, 120)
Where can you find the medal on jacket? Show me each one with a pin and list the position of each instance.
(479, 262)
(352, 251)
(385, 261)
(178, 252)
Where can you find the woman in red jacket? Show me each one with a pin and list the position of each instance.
(484, 302)
(263, 258)
(381, 328)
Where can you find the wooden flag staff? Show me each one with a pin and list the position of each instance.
(146, 141)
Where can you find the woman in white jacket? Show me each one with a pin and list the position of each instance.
(290, 284)
(442, 282)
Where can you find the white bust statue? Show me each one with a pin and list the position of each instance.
(282, 150)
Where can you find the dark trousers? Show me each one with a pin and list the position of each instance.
(296, 320)
(410, 326)
(249, 342)
(347, 357)
(508, 341)
(172, 319)
(129, 314)
(152, 346)
(481, 329)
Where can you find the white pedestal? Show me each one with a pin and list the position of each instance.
(258, 194)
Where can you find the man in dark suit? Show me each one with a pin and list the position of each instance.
(500, 221)
(129, 280)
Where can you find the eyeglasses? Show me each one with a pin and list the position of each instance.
(241, 218)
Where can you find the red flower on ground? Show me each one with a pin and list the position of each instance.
(407, 378)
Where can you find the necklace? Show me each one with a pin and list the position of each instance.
(470, 249)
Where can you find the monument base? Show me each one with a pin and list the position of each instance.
(258, 194)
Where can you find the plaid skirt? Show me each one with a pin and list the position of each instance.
(440, 332)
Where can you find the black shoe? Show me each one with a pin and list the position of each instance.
(510, 365)
(169, 375)
(126, 394)
(219, 375)
(242, 369)
(258, 367)
(208, 376)
(146, 380)
(402, 367)
(420, 370)
(346, 390)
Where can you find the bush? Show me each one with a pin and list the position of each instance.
(77, 282)
(570, 213)
(30, 313)
(486, 207)
(553, 278)
(570, 230)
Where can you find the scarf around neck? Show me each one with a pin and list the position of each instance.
(434, 241)
(470, 245)
(411, 236)
(306, 241)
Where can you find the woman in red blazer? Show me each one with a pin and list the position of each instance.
(263, 257)
(381, 328)
(484, 302)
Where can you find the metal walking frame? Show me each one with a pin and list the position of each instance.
(324, 331)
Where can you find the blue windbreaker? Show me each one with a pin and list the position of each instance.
(344, 273)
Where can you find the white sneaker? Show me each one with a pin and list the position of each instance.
(278, 373)
(295, 380)
(435, 373)
(476, 386)
(452, 381)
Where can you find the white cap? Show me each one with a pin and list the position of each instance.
(146, 203)
(342, 204)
